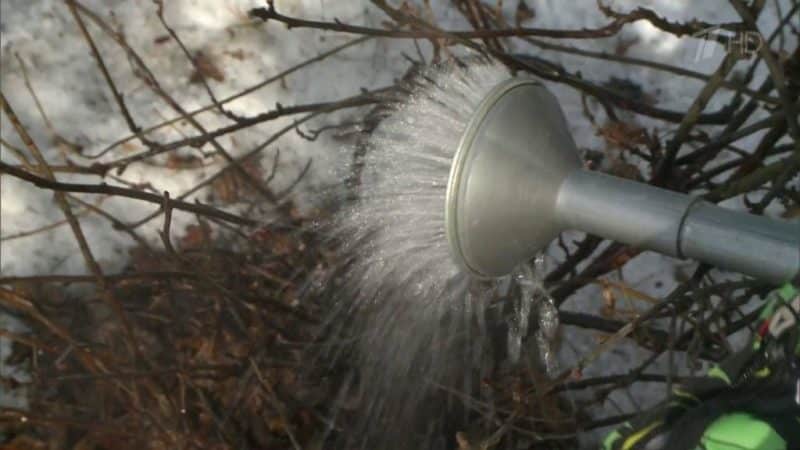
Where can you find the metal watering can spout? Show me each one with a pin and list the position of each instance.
(516, 182)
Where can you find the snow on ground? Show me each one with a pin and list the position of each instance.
(81, 108)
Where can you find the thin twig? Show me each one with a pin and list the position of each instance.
(105, 189)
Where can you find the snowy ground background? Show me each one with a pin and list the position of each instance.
(81, 109)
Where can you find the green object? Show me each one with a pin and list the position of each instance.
(611, 439)
(778, 297)
(749, 401)
(740, 431)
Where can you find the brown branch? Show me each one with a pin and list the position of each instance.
(48, 227)
(269, 13)
(369, 98)
(151, 81)
(94, 169)
(674, 28)
(755, 179)
(116, 223)
(89, 259)
(17, 302)
(258, 149)
(111, 278)
(56, 136)
(776, 70)
(663, 168)
(276, 403)
(105, 189)
(165, 232)
(279, 76)
(551, 71)
(118, 97)
(193, 60)
(629, 60)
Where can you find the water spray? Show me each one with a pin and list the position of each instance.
(516, 182)
(470, 175)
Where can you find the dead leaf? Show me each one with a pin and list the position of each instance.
(791, 212)
(195, 236)
(278, 243)
(25, 443)
(236, 54)
(143, 260)
(524, 13)
(623, 45)
(625, 169)
(409, 9)
(205, 68)
(226, 188)
(232, 186)
(609, 301)
(276, 424)
(176, 161)
(130, 147)
(623, 134)
(629, 89)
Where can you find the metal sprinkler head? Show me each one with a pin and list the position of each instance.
(516, 182)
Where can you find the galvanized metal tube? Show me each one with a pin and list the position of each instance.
(679, 225)
(755, 245)
(622, 210)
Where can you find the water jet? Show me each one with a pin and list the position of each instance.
(470, 173)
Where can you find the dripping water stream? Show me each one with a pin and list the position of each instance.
(421, 323)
